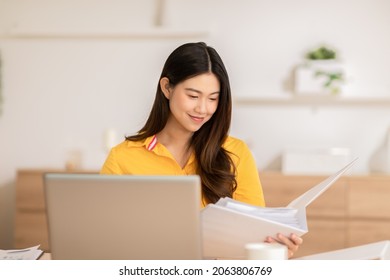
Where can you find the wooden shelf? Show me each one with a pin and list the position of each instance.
(313, 101)
(151, 33)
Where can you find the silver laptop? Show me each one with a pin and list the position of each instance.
(92, 216)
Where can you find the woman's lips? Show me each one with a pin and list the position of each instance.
(197, 119)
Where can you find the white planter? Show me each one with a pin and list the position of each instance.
(313, 77)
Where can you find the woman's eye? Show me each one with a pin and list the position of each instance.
(193, 96)
(213, 99)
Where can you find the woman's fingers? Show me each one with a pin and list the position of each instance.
(293, 242)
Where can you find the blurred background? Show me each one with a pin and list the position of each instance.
(77, 76)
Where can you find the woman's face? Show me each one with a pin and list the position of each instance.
(193, 101)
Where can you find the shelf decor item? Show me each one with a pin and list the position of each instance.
(1, 95)
(321, 73)
(380, 160)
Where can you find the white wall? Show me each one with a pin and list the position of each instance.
(61, 95)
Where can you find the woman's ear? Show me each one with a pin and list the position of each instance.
(165, 87)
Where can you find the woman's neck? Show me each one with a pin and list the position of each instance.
(173, 133)
(177, 142)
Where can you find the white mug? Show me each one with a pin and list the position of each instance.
(265, 251)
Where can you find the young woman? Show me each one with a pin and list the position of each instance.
(187, 133)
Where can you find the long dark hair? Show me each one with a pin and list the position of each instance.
(214, 164)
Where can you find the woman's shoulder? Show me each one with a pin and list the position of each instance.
(233, 144)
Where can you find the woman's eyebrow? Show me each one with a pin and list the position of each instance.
(200, 92)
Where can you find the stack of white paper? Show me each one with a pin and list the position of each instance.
(286, 216)
(228, 225)
(31, 253)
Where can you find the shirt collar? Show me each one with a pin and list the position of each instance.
(149, 143)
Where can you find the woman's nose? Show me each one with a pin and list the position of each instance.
(201, 106)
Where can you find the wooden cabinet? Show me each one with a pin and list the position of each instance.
(30, 226)
(30, 217)
(368, 210)
(354, 211)
(369, 197)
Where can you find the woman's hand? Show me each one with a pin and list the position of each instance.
(293, 242)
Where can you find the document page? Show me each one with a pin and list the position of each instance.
(32, 253)
(308, 197)
(286, 216)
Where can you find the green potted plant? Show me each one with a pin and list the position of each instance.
(321, 53)
(321, 73)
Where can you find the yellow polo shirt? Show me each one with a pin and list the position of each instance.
(149, 157)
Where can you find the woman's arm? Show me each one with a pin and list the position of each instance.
(249, 188)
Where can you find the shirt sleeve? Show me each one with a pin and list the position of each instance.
(111, 165)
(249, 189)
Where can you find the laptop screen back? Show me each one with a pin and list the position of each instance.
(92, 216)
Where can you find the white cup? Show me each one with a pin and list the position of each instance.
(265, 251)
